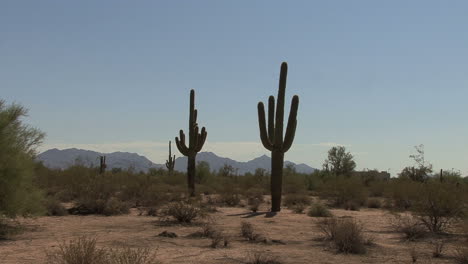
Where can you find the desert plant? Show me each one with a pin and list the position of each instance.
(196, 141)
(82, 250)
(299, 208)
(438, 249)
(345, 233)
(461, 255)
(319, 210)
(102, 164)
(170, 162)
(262, 258)
(254, 203)
(272, 139)
(339, 162)
(183, 212)
(247, 231)
(54, 207)
(414, 255)
(343, 191)
(218, 239)
(411, 227)
(296, 198)
(374, 203)
(114, 206)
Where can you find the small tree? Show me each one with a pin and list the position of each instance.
(421, 171)
(17, 150)
(339, 162)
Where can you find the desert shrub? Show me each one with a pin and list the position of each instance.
(84, 250)
(183, 212)
(296, 198)
(438, 247)
(247, 231)
(411, 227)
(402, 193)
(351, 205)
(438, 205)
(461, 255)
(254, 203)
(262, 258)
(230, 199)
(114, 206)
(219, 239)
(299, 208)
(341, 191)
(9, 227)
(131, 256)
(79, 251)
(374, 203)
(346, 234)
(54, 207)
(319, 210)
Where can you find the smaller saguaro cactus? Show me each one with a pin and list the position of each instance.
(196, 141)
(102, 164)
(170, 162)
(272, 138)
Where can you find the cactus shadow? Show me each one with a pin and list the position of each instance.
(254, 214)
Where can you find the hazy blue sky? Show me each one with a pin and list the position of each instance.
(376, 76)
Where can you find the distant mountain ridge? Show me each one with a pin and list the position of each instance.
(55, 158)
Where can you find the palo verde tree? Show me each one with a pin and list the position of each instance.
(339, 162)
(272, 138)
(18, 142)
(196, 141)
(170, 162)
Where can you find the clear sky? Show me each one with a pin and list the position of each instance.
(376, 76)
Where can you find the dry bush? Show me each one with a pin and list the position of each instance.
(219, 239)
(299, 208)
(247, 231)
(319, 210)
(262, 258)
(8, 228)
(461, 255)
(114, 206)
(342, 191)
(79, 251)
(410, 226)
(438, 205)
(293, 199)
(54, 207)
(438, 249)
(254, 203)
(208, 230)
(84, 251)
(230, 199)
(351, 205)
(374, 203)
(110, 206)
(183, 212)
(414, 255)
(346, 234)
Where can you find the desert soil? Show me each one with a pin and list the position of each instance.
(301, 239)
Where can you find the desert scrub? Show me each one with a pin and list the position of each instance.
(183, 212)
(346, 234)
(84, 250)
(319, 210)
(299, 208)
(254, 203)
(410, 226)
(374, 203)
(293, 199)
(54, 207)
(342, 191)
(262, 258)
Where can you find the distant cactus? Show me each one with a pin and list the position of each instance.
(102, 164)
(170, 163)
(272, 139)
(196, 141)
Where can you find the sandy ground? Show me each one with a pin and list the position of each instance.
(297, 231)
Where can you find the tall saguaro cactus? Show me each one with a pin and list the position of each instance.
(170, 162)
(102, 164)
(196, 141)
(272, 138)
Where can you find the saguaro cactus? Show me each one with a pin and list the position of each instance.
(170, 162)
(102, 164)
(272, 139)
(196, 141)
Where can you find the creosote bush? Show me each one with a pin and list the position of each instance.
(262, 258)
(299, 208)
(54, 207)
(374, 203)
(346, 234)
(183, 212)
(410, 226)
(296, 198)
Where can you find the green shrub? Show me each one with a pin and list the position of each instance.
(319, 210)
(299, 208)
(114, 206)
(293, 199)
(410, 226)
(341, 191)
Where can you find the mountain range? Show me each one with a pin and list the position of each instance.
(55, 158)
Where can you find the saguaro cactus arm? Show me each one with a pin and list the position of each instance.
(292, 123)
(263, 131)
(181, 144)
